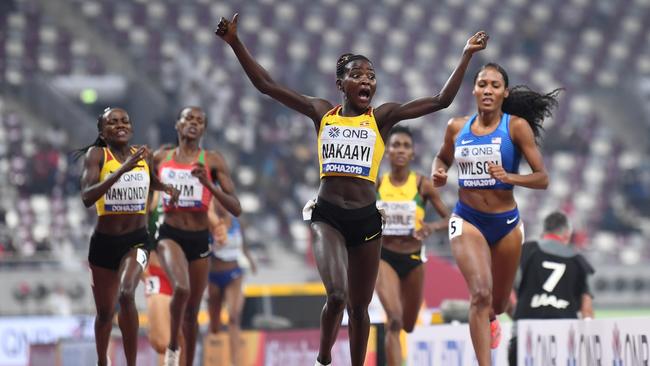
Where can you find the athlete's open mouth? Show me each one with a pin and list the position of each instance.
(364, 94)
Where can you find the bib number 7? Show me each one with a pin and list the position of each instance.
(555, 276)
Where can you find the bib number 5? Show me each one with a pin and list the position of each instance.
(455, 227)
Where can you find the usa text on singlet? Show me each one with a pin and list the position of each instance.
(474, 153)
(129, 194)
(349, 146)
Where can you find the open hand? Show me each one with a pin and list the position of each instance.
(135, 159)
(227, 29)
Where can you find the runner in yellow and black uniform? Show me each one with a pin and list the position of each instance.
(403, 195)
(345, 223)
(116, 179)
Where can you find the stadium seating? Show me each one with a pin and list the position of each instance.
(595, 177)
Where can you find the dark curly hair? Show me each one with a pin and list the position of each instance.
(526, 103)
(345, 59)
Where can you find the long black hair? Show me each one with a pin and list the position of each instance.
(526, 103)
(99, 142)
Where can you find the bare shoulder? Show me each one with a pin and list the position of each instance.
(95, 154)
(162, 151)
(455, 124)
(215, 158)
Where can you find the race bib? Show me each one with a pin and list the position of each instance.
(190, 187)
(152, 285)
(400, 217)
(129, 193)
(473, 164)
(347, 150)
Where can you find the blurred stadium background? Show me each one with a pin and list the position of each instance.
(63, 61)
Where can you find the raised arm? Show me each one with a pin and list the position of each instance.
(91, 188)
(311, 107)
(523, 137)
(391, 113)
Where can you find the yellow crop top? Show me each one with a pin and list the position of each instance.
(349, 146)
(129, 194)
(403, 206)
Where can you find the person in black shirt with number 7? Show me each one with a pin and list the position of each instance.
(553, 282)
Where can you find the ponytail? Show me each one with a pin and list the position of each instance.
(531, 106)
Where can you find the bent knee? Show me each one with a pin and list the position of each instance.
(126, 296)
(159, 344)
(336, 301)
(481, 296)
(181, 291)
(105, 316)
(395, 324)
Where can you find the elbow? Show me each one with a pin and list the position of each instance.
(88, 202)
(263, 86)
(236, 209)
(544, 182)
(443, 101)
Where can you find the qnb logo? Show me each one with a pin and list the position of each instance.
(334, 132)
(464, 152)
(179, 174)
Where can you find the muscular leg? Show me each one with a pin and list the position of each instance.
(159, 318)
(505, 260)
(411, 295)
(363, 266)
(198, 270)
(215, 300)
(173, 260)
(129, 277)
(388, 290)
(104, 285)
(332, 261)
(235, 303)
(473, 257)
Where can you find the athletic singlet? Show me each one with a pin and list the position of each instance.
(403, 205)
(234, 242)
(349, 146)
(129, 194)
(473, 153)
(194, 196)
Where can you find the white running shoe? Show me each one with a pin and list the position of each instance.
(172, 358)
